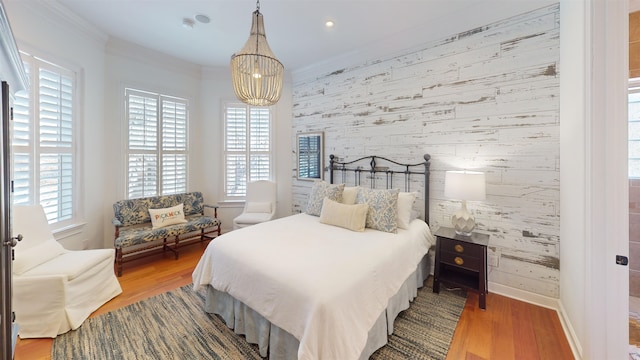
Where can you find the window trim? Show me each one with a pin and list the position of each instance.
(77, 220)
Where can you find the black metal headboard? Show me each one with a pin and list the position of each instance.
(405, 171)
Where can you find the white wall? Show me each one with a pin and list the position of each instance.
(42, 30)
(573, 171)
(107, 68)
(216, 88)
(128, 65)
(484, 99)
(594, 193)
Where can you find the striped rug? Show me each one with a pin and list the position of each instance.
(174, 326)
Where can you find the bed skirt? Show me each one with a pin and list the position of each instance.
(280, 345)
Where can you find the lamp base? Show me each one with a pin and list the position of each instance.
(463, 222)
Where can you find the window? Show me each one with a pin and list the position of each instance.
(247, 148)
(157, 144)
(44, 142)
(634, 128)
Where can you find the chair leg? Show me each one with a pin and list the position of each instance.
(119, 261)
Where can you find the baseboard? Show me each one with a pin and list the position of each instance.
(569, 332)
(546, 302)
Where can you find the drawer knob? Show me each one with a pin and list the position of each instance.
(459, 248)
(458, 260)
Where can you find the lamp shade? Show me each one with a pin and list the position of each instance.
(464, 185)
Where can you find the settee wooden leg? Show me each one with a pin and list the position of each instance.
(119, 261)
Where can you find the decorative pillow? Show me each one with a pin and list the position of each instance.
(258, 207)
(349, 195)
(352, 217)
(168, 216)
(321, 190)
(383, 208)
(405, 206)
(414, 215)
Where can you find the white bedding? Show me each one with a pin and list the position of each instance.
(323, 284)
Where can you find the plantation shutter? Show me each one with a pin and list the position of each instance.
(56, 144)
(247, 148)
(174, 145)
(44, 143)
(143, 139)
(157, 144)
(260, 166)
(23, 148)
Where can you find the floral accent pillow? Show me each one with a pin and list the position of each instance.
(383, 208)
(168, 216)
(321, 190)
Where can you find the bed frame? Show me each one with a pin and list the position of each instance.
(388, 168)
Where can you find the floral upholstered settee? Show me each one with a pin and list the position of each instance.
(136, 235)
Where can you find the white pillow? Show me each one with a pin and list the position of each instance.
(258, 207)
(349, 195)
(405, 206)
(29, 258)
(352, 217)
(168, 216)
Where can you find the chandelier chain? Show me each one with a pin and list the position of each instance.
(258, 5)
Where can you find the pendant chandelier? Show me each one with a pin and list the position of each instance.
(255, 72)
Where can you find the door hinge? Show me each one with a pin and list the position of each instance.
(622, 260)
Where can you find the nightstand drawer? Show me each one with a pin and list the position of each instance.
(461, 247)
(461, 260)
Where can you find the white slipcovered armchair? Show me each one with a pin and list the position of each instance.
(54, 289)
(260, 204)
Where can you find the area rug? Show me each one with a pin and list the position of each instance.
(174, 325)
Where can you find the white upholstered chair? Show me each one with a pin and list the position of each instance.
(55, 289)
(260, 205)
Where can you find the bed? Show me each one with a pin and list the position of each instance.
(308, 286)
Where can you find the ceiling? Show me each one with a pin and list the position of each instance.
(295, 28)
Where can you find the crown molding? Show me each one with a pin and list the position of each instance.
(122, 48)
(49, 8)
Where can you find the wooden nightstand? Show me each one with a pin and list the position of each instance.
(461, 261)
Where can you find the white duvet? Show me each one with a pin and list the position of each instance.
(323, 284)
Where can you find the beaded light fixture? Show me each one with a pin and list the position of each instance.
(255, 72)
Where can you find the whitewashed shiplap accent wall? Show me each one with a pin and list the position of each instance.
(485, 99)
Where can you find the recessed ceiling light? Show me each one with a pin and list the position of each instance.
(203, 18)
(188, 23)
(329, 23)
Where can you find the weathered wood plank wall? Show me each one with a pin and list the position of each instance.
(485, 99)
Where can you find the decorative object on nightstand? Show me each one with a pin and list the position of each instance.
(465, 186)
(461, 261)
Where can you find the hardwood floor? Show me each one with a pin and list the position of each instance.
(508, 329)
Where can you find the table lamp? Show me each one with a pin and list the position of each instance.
(464, 186)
